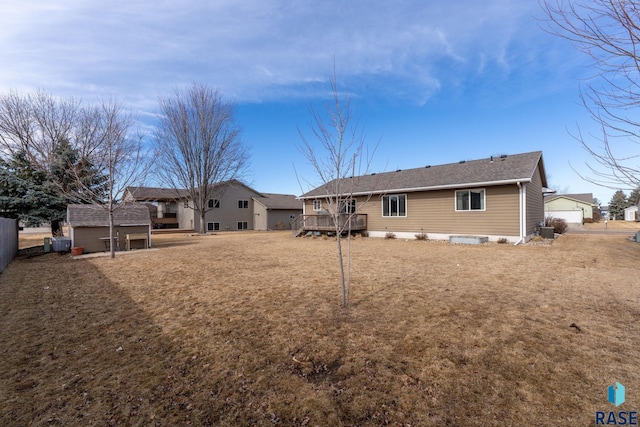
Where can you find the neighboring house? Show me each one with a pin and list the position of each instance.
(89, 226)
(496, 197)
(168, 205)
(275, 211)
(573, 208)
(604, 212)
(631, 213)
(233, 206)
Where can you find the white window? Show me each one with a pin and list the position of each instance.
(214, 203)
(213, 226)
(394, 205)
(317, 205)
(243, 204)
(470, 200)
(243, 225)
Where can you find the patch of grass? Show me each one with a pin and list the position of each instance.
(422, 236)
(247, 329)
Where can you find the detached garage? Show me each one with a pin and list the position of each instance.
(573, 208)
(89, 227)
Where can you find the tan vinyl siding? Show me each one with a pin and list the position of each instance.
(89, 237)
(535, 203)
(434, 212)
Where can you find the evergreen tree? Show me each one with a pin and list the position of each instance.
(634, 197)
(617, 205)
(35, 196)
(27, 193)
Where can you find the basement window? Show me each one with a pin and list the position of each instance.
(243, 225)
(470, 200)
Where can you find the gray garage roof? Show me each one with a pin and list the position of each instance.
(279, 201)
(97, 216)
(504, 169)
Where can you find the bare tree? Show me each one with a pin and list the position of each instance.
(338, 154)
(35, 123)
(116, 153)
(199, 146)
(609, 32)
(74, 145)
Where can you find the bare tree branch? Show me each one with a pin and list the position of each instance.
(198, 145)
(338, 156)
(608, 31)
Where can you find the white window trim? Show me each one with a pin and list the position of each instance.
(243, 203)
(406, 206)
(484, 200)
(319, 207)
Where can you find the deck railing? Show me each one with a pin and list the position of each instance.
(326, 223)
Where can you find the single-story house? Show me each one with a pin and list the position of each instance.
(496, 197)
(275, 211)
(89, 227)
(573, 208)
(631, 213)
(233, 206)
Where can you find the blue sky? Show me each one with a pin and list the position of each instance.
(436, 82)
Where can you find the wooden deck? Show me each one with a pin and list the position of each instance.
(325, 223)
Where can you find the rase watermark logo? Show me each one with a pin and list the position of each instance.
(616, 396)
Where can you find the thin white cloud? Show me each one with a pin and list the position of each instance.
(254, 50)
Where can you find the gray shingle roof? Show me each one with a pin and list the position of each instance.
(97, 216)
(489, 171)
(279, 201)
(155, 193)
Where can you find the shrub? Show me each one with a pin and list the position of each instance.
(587, 221)
(390, 235)
(502, 240)
(559, 225)
(364, 233)
(422, 236)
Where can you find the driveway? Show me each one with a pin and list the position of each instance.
(580, 229)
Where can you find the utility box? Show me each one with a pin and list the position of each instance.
(61, 244)
(47, 245)
(638, 237)
(546, 232)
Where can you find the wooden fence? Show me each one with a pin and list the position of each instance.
(8, 241)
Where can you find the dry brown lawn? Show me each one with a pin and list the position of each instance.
(246, 329)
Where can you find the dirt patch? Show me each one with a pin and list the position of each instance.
(246, 329)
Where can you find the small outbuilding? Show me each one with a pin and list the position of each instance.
(631, 213)
(275, 211)
(88, 226)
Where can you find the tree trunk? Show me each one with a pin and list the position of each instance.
(345, 296)
(111, 244)
(203, 226)
(56, 230)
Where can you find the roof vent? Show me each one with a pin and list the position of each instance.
(503, 156)
(398, 170)
(427, 167)
(373, 173)
(462, 161)
(491, 161)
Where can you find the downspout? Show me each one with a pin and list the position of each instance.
(520, 213)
